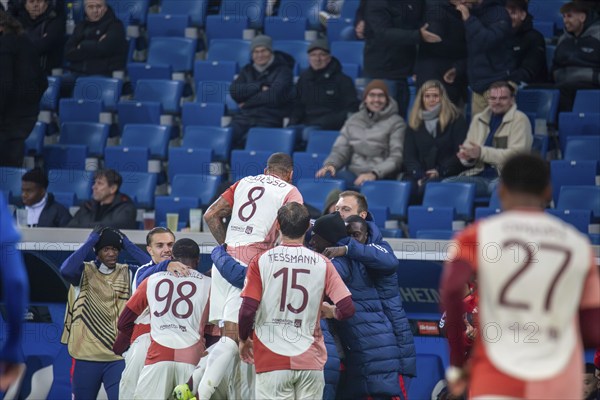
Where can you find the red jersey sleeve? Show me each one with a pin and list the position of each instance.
(253, 285)
(228, 194)
(590, 296)
(293, 195)
(335, 288)
(464, 247)
(139, 300)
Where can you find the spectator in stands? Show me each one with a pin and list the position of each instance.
(445, 61)
(529, 47)
(22, 84)
(577, 54)
(42, 209)
(393, 29)
(46, 29)
(496, 134)
(263, 90)
(108, 206)
(436, 129)
(489, 37)
(97, 45)
(325, 95)
(370, 143)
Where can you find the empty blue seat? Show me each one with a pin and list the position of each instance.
(225, 27)
(167, 25)
(349, 52)
(314, 192)
(90, 134)
(429, 218)
(206, 114)
(296, 49)
(237, 50)
(50, 97)
(189, 160)
(212, 91)
(392, 194)
(67, 199)
(247, 162)
(577, 124)
(209, 137)
(96, 88)
(154, 137)
(281, 28)
(320, 141)
(547, 10)
(461, 196)
(494, 207)
(126, 159)
(571, 173)
(546, 28)
(71, 181)
(587, 101)
(35, 141)
(580, 219)
(167, 92)
(10, 183)
(177, 52)
(215, 70)
(78, 110)
(138, 112)
(380, 215)
(195, 9)
(308, 9)
(580, 198)
(542, 102)
(271, 139)
(203, 187)
(352, 70)
(131, 11)
(61, 156)
(140, 186)
(253, 10)
(306, 165)
(339, 29)
(171, 204)
(583, 148)
(349, 8)
(137, 71)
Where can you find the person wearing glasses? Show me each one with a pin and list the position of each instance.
(370, 143)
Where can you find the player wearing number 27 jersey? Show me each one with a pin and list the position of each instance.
(539, 295)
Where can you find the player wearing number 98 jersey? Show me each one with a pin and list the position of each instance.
(178, 307)
(536, 278)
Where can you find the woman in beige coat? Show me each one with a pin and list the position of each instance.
(370, 143)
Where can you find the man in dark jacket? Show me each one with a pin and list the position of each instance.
(22, 84)
(577, 56)
(393, 29)
(325, 95)
(42, 209)
(108, 206)
(263, 90)
(489, 43)
(529, 46)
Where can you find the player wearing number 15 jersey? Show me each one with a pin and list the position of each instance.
(178, 307)
(539, 295)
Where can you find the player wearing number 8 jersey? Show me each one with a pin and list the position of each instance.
(178, 307)
(539, 295)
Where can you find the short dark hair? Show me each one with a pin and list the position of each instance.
(293, 219)
(186, 250)
(577, 6)
(36, 176)
(112, 177)
(154, 231)
(357, 219)
(520, 4)
(503, 84)
(280, 163)
(361, 200)
(526, 173)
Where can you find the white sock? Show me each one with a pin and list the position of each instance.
(218, 365)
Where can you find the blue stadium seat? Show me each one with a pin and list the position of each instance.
(212, 91)
(131, 11)
(352, 70)
(140, 186)
(380, 215)
(96, 88)
(78, 110)
(571, 173)
(392, 194)
(202, 187)
(315, 191)
(71, 181)
(580, 219)
(237, 50)
(296, 49)
(209, 137)
(167, 25)
(577, 124)
(349, 52)
(154, 137)
(189, 160)
(49, 101)
(10, 183)
(67, 199)
(308, 9)
(225, 27)
(339, 29)
(92, 135)
(65, 156)
(429, 218)
(177, 52)
(435, 234)
(195, 9)
(580, 198)
(587, 101)
(461, 196)
(137, 71)
(547, 10)
(247, 162)
(281, 28)
(138, 112)
(321, 141)
(546, 28)
(542, 102)
(583, 148)
(215, 70)
(349, 8)
(253, 10)
(430, 371)
(540, 145)
(127, 159)
(494, 207)
(271, 139)
(306, 165)
(171, 204)
(167, 92)
(207, 114)
(35, 141)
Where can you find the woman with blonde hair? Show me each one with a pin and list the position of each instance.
(435, 130)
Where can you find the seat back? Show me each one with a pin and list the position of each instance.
(577, 124)
(429, 218)
(95, 88)
(167, 25)
(89, 134)
(215, 70)
(571, 173)
(189, 160)
(296, 49)
(542, 102)
(212, 91)
(349, 52)
(306, 165)
(237, 50)
(127, 159)
(167, 92)
(309, 9)
(35, 141)
(71, 180)
(271, 139)
(580, 198)
(203, 187)
(225, 27)
(587, 101)
(50, 97)
(79, 110)
(314, 192)
(247, 162)
(195, 9)
(154, 137)
(206, 114)
(140, 186)
(138, 112)
(281, 28)
(583, 148)
(209, 137)
(580, 219)
(320, 141)
(137, 71)
(65, 156)
(177, 52)
(540, 145)
(10, 183)
(392, 194)
(253, 10)
(461, 196)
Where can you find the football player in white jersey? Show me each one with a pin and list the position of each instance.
(539, 295)
(252, 204)
(178, 307)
